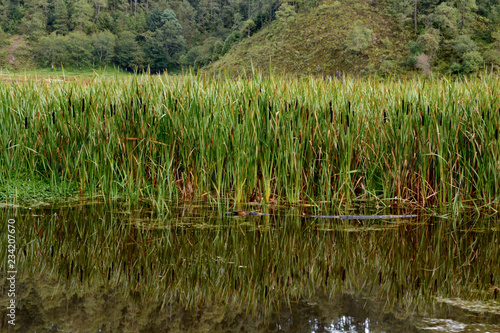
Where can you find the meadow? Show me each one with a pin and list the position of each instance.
(159, 139)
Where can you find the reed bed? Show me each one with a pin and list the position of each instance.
(273, 138)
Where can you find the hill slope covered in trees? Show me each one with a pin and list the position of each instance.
(374, 37)
(294, 36)
(352, 36)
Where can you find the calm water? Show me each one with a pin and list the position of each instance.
(91, 267)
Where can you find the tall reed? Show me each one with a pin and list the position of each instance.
(162, 138)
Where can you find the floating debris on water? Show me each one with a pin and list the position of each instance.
(363, 217)
(245, 213)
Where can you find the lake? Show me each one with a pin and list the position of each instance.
(88, 266)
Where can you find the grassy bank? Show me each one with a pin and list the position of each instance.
(164, 138)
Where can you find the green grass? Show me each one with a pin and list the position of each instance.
(66, 74)
(263, 138)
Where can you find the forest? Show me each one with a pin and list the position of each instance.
(454, 36)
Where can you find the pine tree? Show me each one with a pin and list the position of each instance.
(466, 7)
(61, 18)
(165, 44)
(80, 17)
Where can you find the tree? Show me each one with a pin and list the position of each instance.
(492, 58)
(209, 15)
(495, 35)
(80, 17)
(79, 49)
(3, 14)
(190, 57)
(126, 51)
(429, 41)
(247, 26)
(103, 44)
(237, 21)
(463, 44)
(105, 22)
(33, 26)
(165, 44)
(155, 19)
(2, 38)
(415, 14)
(33, 23)
(285, 13)
(217, 50)
(403, 11)
(465, 50)
(51, 50)
(232, 39)
(423, 63)
(466, 7)
(99, 6)
(445, 18)
(472, 62)
(14, 13)
(61, 18)
(186, 15)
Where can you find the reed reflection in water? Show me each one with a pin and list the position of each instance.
(89, 266)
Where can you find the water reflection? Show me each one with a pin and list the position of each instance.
(92, 267)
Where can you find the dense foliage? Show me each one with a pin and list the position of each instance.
(459, 36)
(133, 35)
(464, 32)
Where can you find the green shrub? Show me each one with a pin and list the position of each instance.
(455, 68)
(463, 44)
(386, 42)
(387, 67)
(3, 41)
(429, 42)
(358, 38)
(411, 61)
(232, 39)
(492, 58)
(472, 62)
(190, 57)
(217, 50)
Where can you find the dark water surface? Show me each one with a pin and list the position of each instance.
(90, 267)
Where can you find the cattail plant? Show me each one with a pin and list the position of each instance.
(268, 138)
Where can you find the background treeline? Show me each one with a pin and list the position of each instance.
(131, 34)
(456, 35)
(459, 36)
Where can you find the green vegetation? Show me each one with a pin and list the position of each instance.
(373, 37)
(351, 36)
(261, 138)
(304, 37)
(26, 189)
(136, 35)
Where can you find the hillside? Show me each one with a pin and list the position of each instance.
(317, 42)
(15, 54)
(317, 37)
